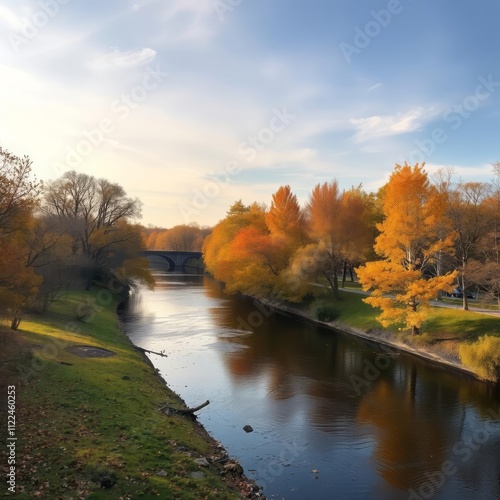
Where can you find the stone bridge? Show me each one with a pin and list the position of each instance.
(176, 260)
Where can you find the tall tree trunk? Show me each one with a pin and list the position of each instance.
(464, 290)
(344, 272)
(16, 321)
(334, 284)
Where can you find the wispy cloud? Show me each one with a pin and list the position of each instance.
(374, 127)
(376, 86)
(124, 59)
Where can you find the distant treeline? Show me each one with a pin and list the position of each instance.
(181, 238)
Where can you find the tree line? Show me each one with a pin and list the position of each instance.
(67, 233)
(180, 238)
(415, 239)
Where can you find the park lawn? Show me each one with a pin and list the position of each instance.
(82, 426)
(465, 325)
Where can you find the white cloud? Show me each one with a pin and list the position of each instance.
(124, 59)
(374, 127)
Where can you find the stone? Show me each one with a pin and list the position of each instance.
(248, 428)
(197, 475)
(203, 462)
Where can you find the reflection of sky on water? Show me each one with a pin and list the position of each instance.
(292, 383)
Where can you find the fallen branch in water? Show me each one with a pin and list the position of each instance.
(184, 411)
(151, 352)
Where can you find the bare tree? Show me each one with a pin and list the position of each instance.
(465, 207)
(93, 211)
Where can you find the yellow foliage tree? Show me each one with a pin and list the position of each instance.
(411, 236)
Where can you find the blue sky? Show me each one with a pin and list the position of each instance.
(193, 104)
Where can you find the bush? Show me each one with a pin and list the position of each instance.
(483, 356)
(325, 312)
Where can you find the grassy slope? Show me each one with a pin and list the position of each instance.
(80, 423)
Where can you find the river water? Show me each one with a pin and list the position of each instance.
(333, 416)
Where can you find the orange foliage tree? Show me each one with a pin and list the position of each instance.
(251, 248)
(410, 238)
(218, 255)
(285, 217)
(338, 224)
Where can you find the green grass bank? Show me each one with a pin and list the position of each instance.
(89, 427)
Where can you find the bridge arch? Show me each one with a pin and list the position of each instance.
(177, 260)
(171, 263)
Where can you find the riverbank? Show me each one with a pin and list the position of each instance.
(87, 414)
(444, 332)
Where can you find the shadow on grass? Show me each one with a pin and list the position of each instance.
(463, 325)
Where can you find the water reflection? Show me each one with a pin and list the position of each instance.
(375, 423)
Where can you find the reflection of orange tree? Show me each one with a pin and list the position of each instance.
(409, 443)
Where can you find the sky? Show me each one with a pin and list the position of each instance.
(191, 105)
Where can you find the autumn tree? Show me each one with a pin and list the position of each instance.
(251, 247)
(260, 258)
(483, 270)
(49, 254)
(408, 243)
(217, 254)
(338, 227)
(18, 199)
(285, 217)
(98, 216)
(466, 209)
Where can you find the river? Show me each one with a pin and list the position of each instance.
(333, 416)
